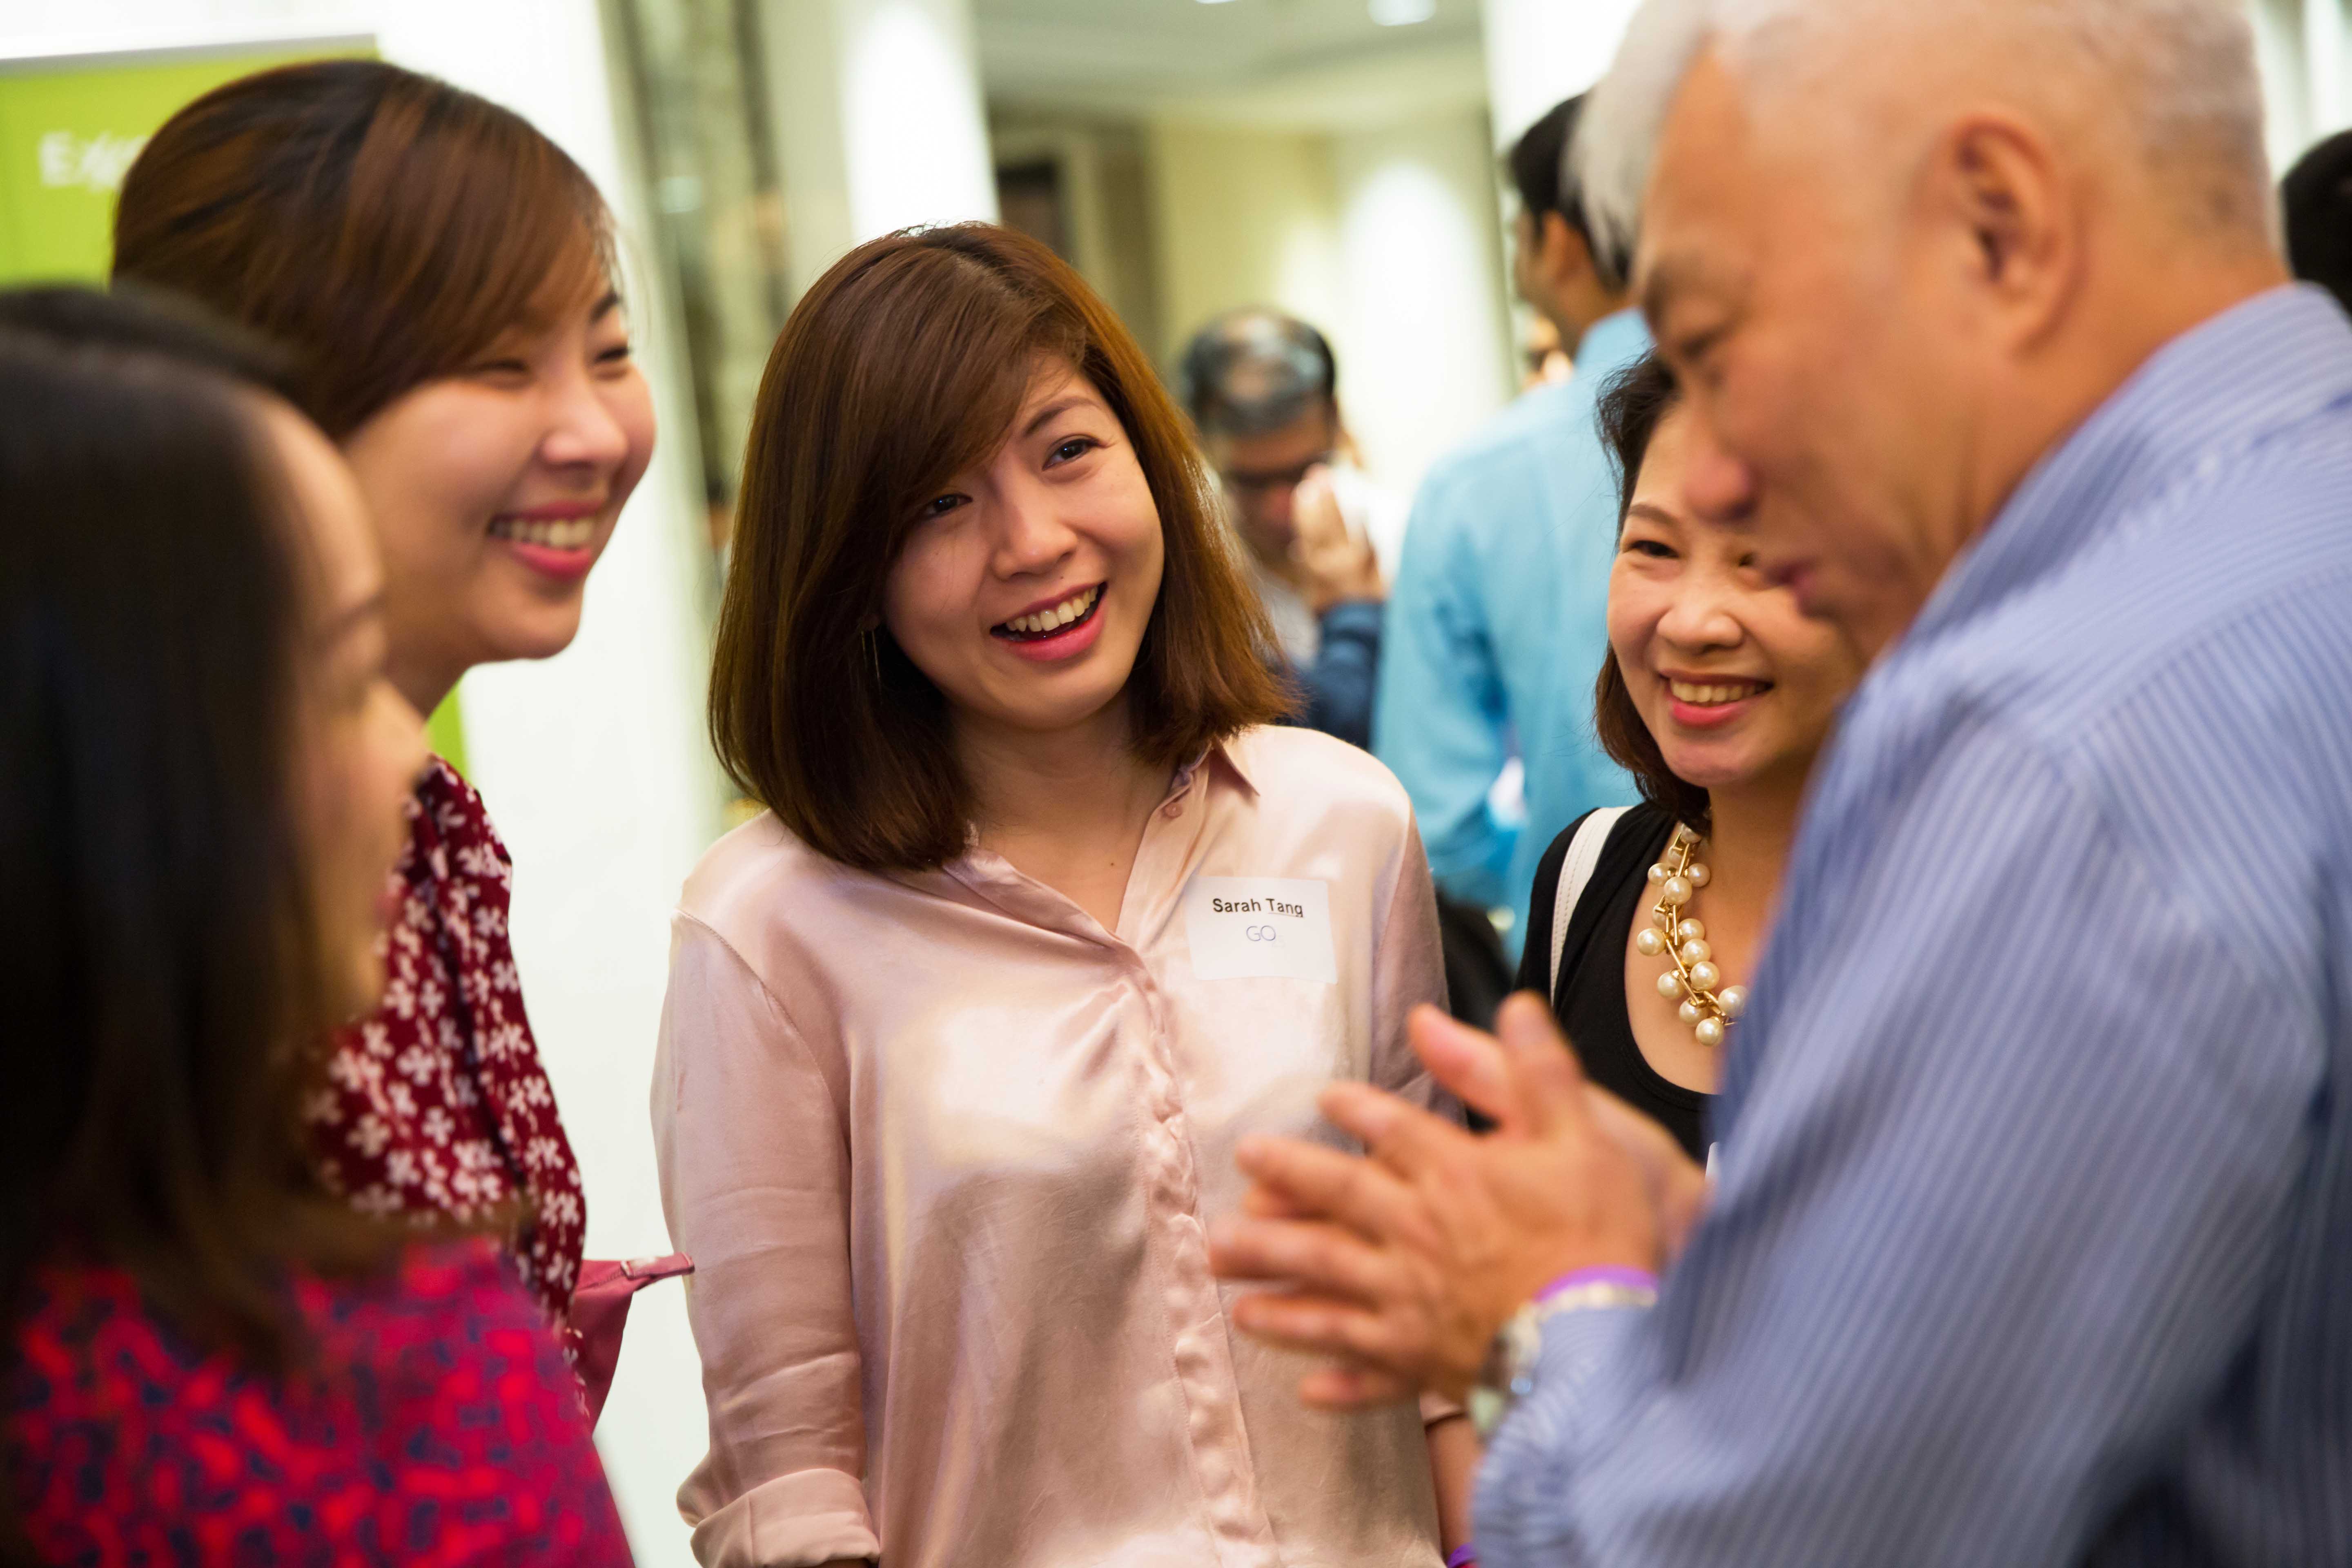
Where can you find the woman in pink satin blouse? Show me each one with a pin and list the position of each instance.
(1043, 917)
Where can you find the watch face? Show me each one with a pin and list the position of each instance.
(1509, 1372)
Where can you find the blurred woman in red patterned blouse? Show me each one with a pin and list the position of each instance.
(443, 274)
(203, 1357)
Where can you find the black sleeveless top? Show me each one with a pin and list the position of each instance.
(1590, 1000)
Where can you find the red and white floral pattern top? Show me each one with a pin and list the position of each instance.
(436, 1106)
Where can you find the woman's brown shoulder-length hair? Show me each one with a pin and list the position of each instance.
(902, 367)
(1633, 406)
(385, 228)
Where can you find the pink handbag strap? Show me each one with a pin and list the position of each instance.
(600, 1312)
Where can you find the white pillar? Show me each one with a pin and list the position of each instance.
(878, 110)
(2324, 63)
(1423, 342)
(1541, 51)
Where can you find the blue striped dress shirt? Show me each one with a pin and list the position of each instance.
(2032, 1240)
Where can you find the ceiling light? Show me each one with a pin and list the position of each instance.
(1403, 13)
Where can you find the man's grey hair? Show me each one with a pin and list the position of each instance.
(1255, 371)
(2183, 70)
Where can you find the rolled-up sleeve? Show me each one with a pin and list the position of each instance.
(752, 1146)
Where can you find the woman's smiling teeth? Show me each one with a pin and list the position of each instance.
(571, 533)
(1717, 694)
(1047, 621)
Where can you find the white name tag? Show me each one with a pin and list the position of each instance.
(1245, 926)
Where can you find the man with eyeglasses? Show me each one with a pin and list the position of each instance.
(1262, 387)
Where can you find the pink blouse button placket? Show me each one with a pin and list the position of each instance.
(1203, 1360)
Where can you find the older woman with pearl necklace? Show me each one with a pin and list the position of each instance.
(1716, 695)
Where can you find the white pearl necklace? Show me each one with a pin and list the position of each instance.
(1693, 975)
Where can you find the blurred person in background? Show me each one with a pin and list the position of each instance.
(1543, 361)
(2318, 192)
(1044, 916)
(2030, 1237)
(442, 275)
(1716, 695)
(1500, 612)
(203, 764)
(1263, 389)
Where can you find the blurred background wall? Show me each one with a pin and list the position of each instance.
(1335, 157)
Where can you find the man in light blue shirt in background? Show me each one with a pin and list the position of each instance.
(1497, 621)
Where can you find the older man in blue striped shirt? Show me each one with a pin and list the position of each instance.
(2031, 1238)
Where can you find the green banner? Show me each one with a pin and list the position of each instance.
(69, 130)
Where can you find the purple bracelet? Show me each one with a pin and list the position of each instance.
(1462, 1556)
(1608, 1274)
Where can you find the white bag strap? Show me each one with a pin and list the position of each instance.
(1575, 871)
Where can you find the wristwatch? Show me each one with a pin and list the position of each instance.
(1507, 1374)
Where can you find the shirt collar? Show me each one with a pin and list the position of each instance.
(1219, 757)
(2224, 385)
(995, 878)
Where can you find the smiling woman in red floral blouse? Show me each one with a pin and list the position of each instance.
(443, 273)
